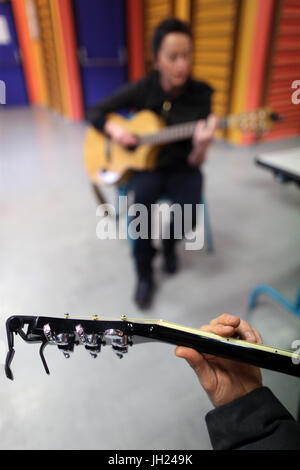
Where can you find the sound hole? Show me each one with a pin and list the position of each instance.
(131, 148)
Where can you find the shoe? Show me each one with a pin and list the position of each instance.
(144, 292)
(170, 262)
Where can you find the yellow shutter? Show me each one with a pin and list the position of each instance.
(242, 63)
(155, 11)
(182, 9)
(51, 66)
(214, 25)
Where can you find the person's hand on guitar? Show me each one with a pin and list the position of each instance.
(203, 136)
(224, 380)
(119, 134)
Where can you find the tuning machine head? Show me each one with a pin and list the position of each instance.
(64, 341)
(92, 341)
(118, 340)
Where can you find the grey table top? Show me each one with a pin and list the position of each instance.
(286, 162)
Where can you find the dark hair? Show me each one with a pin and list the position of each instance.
(170, 25)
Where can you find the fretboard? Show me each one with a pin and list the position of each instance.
(175, 133)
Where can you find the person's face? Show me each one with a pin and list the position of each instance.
(174, 59)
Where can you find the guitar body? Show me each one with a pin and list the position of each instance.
(102, 154)
(107, 162)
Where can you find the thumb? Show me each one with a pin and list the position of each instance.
(212, 121)
(197, 361)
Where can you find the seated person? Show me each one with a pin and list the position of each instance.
(171, 93)
(247, 415)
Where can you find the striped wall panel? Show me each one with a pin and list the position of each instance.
(154, 12)
(259, 56)
(135, 39)
(283, 69)
(31, 47)
(51, 61)
(182, 9)
(242, 63)
(214, 24)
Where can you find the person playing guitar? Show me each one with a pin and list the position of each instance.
(171, 93)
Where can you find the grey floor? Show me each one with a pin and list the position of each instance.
(52, 262)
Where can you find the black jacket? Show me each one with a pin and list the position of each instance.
(192, 104)
(256, 421)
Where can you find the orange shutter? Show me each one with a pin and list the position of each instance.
(284, 69)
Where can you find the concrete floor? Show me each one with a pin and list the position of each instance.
(52, 262)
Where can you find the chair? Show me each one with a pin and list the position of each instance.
(293, 307)
(123, 191)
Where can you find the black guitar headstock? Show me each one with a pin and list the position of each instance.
(92, 333)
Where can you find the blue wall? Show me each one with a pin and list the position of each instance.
(101, 39)
(11, 70)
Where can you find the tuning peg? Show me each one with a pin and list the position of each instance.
(87, 339)
(92, 342)
(118, 340)
(81, 334)
(64, 341)
(116, 336)
(48, 333)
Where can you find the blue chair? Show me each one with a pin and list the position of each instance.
(293, 307)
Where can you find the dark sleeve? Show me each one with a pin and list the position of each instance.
(203, 98)
(127, 97)
(256, 421)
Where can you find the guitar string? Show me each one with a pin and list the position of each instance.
(177, 326)
(175, 132)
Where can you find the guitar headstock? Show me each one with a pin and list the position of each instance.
(90, 332)
(259, 121)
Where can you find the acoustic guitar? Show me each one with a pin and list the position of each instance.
(95, 332)
(107, 162)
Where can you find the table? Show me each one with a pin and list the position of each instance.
(285, 164)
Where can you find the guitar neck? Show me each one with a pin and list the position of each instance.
(176, 133)
(255, 121)
(260, 355)
(94, 333)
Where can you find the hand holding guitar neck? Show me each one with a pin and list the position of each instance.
(203, 136)
(222, 379)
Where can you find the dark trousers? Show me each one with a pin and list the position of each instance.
(182, 185)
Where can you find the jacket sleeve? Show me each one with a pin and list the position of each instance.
(204, 94)
(128, 96)
(256, 421)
